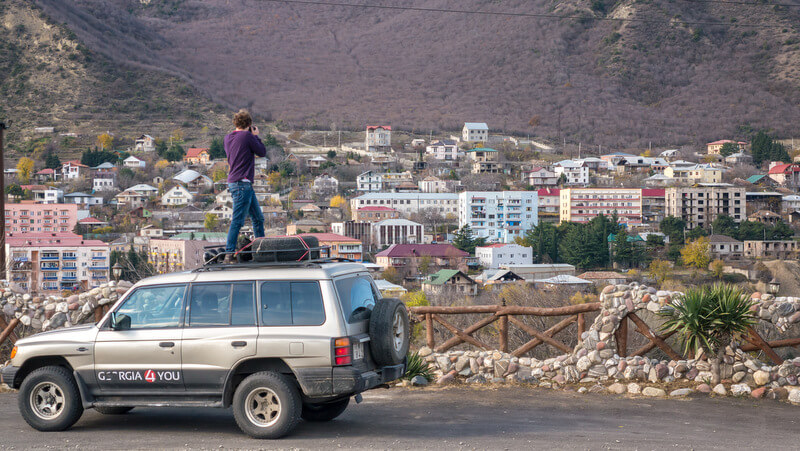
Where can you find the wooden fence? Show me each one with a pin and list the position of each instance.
(574, 314)
(7, 329)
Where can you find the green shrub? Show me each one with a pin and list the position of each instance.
(417, 366)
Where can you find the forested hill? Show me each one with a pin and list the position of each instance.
(623, 73)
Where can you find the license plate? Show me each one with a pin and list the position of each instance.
(358, 351)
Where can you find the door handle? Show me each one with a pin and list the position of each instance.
(166, 344)
(239, 344)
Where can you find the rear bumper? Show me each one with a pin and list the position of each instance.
(7, 375)
(318, 382)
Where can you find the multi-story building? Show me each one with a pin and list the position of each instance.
(699, 173)
(485, 160)
(73, 169)
(392, 180)
(654, 204)
(338, 246)
(324, 184)
(784, 174)
(475, 132)
(144, 143)
(700, 205)
(378, 138)
(51, 262)
(30, 217)
(197, 155)
(724, 247)
(171, 255)
(549, 204)
(409, 256)
(431, 184)
(178, 195)
(582, 204)
(494, 255)
(498, 215)
(409, 203)
(445, 150)
(576, 173)
(397, 231)
(375, 214)
(104, 182)
(362, 231)
(540, 177)
(781, 249)
(790, 203)
(370, 182)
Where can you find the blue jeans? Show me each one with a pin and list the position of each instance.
(244, 204)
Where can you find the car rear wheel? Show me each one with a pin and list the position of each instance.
(324, 411)
(389, 332)
(49, 399)
(112, 410)
(266, 405)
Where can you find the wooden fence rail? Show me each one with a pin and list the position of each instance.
(7, 328)
(574, 314)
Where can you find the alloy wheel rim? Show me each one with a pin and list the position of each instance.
(263, 407)
(399, 330)
(47, 401)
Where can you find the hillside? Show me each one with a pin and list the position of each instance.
(49, 78)
(591, 80)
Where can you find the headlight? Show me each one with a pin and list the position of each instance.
(13, 352)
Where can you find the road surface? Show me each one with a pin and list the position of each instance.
(452, 418)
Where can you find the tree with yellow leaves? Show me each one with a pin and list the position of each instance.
(697, 253)
(338, 201)
(717, 268)
(162, 164)
(25, 169)
(219, 175)
(659, 270)
(275, 180)
(105, 141)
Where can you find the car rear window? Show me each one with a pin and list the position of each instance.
(291, 304)
(357, 296)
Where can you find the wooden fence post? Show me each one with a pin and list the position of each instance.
(756, 339)
(581, 325)
(429, 329)
(621, 336)
(504, 333)
(8, 330)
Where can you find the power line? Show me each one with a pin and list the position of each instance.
(526, 15)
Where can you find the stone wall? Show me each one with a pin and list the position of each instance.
(42, 313)
(595, 359)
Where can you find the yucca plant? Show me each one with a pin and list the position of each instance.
(710, 318)
(417, 366)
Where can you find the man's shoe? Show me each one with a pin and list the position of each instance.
(229, 258)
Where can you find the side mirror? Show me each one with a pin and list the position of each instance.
(120, 321)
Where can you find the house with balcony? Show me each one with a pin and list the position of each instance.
(549, 203)
(53, 262)
(575, 173)
(325, 185)
(369, 182)
(772, 249)
(485, 160)
(43, 194)
(177, 196)
(378, 138)
(144, 143)
(30, 217)
(73, 169)
(724, 247)
(194, 180)
(433, 184)
(131, 200)
(787, 175)
(104, 182)
(582, 204)
(540, 177)
(410, 256)
(444, 150)
(498, 216)
(714, 148)
(134, 163)
(504, 254)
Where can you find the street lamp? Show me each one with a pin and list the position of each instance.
(116, 271)
(4, 124)
(774, 286)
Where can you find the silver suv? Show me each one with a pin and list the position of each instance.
(275, 342)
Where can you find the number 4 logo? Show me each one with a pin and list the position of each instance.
(150, 376)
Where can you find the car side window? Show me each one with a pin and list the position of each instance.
(221, 304)
(291, 304)
(154, 307)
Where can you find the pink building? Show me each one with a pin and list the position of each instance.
(30, 217)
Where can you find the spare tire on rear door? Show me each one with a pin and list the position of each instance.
(389, 332)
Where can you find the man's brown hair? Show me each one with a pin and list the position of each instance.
(242, 119)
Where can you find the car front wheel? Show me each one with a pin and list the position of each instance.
(49, 399)
(266, 405)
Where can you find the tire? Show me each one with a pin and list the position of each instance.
(49, 399)
(249, 409)
(112, 410)
(389, 332)
(324, 411)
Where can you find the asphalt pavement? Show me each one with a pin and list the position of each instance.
(450, 418)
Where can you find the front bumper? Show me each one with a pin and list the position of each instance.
(347, 380)
(7, 375)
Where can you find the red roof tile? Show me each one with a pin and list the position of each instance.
(548, 192)
(373, 127)
(194, 152)
(783, 169)
(653, 192)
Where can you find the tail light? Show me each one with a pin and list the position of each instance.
(342, 351)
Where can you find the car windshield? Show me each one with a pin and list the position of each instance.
(357, 295)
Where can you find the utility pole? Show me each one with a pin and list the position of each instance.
(340, 140)
(3, 125)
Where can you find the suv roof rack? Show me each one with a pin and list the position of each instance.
(215, 263)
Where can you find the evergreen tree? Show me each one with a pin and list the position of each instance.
(216, 150)
(161, 147)
(725, 225)
(544, 240)
(673, 227)
(751, 230)
(175, 153)
(729, 149)
(623, 249)
(465, 241)
(780, 231)
(52, 161)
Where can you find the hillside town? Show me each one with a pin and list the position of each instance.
(446, 214)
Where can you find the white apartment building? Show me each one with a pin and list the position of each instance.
(498, 216)
(540, 177)
(431, 184)
(397, 231)
(52, 262)
(370, 182)
(575, 172)
(46, 194)
(790, 203)
(177, 195)
(107, 183)
(582, 204)
(700, 205)
(494, 255)
(445, 150)
(409, 203)
(378, 138)
(475, 132)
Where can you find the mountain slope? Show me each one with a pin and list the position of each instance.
(597, 81)
(49, 78)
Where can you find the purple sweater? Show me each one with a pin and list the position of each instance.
(242, 148)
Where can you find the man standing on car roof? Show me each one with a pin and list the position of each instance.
(241, 146)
